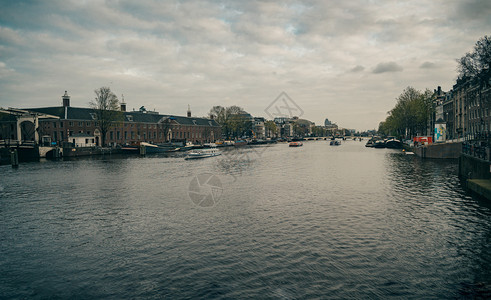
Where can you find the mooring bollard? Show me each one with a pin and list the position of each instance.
(56, 152)
(14, 158)
(143, 150)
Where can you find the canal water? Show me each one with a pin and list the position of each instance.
(275, 222)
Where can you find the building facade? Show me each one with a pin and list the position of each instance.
(467, 110)
(130, 127)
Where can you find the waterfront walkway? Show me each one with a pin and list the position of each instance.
(482, 187)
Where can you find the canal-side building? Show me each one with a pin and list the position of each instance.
(131, 127)
(478, 116)
(284, 127)
(468, 109)
(259, 127)
(449, 115)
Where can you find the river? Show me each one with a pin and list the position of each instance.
(275, 222)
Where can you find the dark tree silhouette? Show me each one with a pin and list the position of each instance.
(106, 109)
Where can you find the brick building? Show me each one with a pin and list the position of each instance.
(131, 127)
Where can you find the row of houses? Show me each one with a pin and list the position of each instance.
(465, 111)
(288, 127)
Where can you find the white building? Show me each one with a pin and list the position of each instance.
(82, 140)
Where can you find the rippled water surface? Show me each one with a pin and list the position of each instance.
(317, 221)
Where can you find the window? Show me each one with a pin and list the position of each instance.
(88, 123)
(54, 124)
(61, 124)
(80, 124)
(111, 135)
(132, 135)
(144, 125)
(117, 135)
(61, 135)
(54, 135)
(126, 135)
(70, 123)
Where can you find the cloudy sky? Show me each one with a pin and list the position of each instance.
(344, 60)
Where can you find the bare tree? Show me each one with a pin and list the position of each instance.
(477, 64)
(106, 109)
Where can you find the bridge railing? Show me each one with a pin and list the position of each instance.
(15, 143)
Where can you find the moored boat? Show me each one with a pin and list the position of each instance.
(393, 144)
(240, 143)
(379, 144)
(149, 148)
(335, 143)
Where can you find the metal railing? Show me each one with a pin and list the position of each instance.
(478, 149)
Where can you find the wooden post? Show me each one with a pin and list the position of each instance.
(56, 152)
(14, 158)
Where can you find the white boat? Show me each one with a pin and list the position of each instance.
(202, 153)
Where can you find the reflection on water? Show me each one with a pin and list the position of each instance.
(314, 221)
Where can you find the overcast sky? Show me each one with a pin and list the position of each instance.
(344, 60)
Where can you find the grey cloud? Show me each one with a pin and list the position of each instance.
(166, 54)
(474, 9)
(427, 65)
(387, 67)
(357, 69)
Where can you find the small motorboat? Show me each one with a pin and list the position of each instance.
(335, 143)
(407, 152)
(295, 144)
(202, 153)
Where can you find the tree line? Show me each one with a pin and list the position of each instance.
(410, 115)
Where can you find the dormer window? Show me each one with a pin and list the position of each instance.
(194, 122)
(129, 118)
(93, 116)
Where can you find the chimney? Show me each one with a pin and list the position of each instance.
(189, 111)
(439, 90)
(123, 104)
(66, 100)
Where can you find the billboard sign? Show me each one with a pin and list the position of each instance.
(440, 132)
